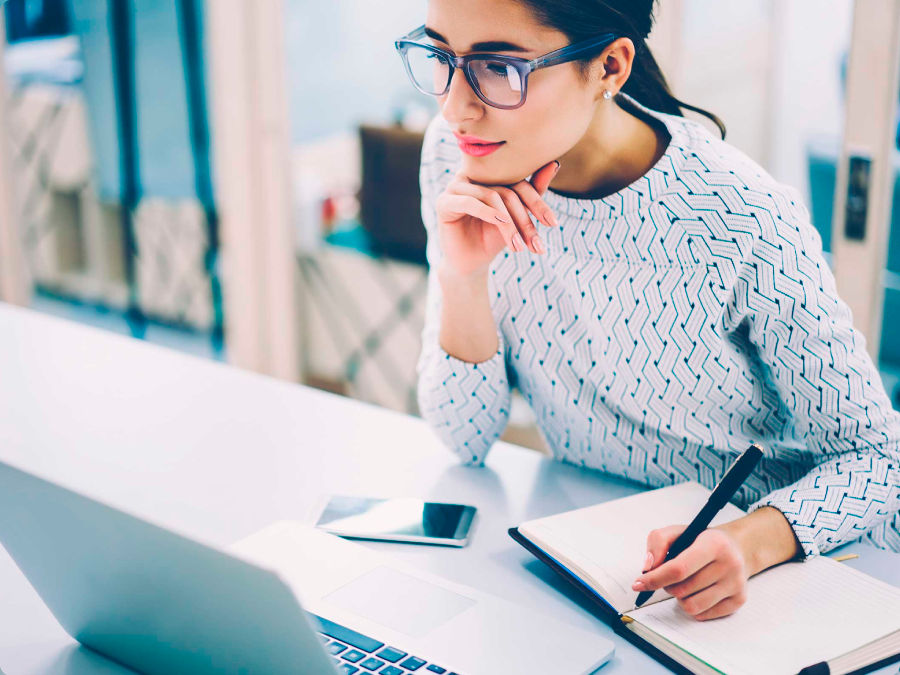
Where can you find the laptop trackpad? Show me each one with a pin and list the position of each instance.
(399, 601)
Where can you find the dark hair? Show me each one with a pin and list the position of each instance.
(583, 19)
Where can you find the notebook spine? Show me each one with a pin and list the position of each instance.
(607, 613)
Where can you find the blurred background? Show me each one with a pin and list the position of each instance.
(238, 179)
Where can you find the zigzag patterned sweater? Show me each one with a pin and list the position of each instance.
(668, 326)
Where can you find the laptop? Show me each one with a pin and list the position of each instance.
(159, 602)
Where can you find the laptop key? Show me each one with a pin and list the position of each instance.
(344, 634)
(391, 654)
(347, 669)
(413, 663)
(353, 655)
(435, 669)
(335, 648)
(392, 670)
(372, 663)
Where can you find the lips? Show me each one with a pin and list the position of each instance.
(477, 147)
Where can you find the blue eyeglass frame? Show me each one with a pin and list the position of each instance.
(524, 67)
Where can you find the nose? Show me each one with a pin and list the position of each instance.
(460, 103)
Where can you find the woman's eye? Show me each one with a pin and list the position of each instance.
(499, 69)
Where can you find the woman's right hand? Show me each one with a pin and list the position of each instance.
(475, 222)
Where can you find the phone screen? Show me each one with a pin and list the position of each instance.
(397, 519)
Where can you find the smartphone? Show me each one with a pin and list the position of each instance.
(396, 519)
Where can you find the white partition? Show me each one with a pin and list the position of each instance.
(14, 283)
(251, 146)
(870, 131)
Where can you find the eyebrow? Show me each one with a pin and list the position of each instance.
(491, 46)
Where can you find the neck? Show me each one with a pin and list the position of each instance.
(618, 148)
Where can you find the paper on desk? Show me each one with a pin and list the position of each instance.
(607, 542)
(796, 614)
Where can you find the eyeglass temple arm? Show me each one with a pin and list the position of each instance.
(571, 52)
(415, 33)
(568, 53)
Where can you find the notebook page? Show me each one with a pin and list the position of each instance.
(608, 541)
(796, 614)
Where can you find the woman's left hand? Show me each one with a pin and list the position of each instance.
(709, 578)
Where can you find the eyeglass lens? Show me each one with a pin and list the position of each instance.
(498, 82)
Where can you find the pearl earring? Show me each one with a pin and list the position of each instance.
(607, 94)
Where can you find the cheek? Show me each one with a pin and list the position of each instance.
(542, 132)
(563, 118)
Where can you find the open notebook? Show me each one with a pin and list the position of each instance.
(797, 614)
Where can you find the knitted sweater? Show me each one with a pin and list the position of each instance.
(670, 325)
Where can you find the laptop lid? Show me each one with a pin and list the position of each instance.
(146, 597)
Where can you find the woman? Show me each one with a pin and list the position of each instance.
(667, 305)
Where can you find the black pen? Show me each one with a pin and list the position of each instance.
(731, 481)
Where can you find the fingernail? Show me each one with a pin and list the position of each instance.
(502, 219)
(538, 244)
(518, 242)
(648, 563)
(550, 218)
(638, 586)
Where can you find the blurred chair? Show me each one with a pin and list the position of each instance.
(390, 200)
(30, 19)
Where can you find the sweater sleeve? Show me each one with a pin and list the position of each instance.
(467, 404)
(819, 364)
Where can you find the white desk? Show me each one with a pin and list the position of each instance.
(218, 454)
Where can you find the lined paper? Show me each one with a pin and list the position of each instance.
(796, 614)
(607, 542)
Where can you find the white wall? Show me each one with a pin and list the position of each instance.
(770, 69)
(813, 36)
(342, 66)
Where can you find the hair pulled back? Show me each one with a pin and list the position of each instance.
(634, 19)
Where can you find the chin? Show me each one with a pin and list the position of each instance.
(479, 170)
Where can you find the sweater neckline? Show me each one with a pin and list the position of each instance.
(638, 194)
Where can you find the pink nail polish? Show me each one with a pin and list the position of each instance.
(648, 563)
(538, 245)
(638, 586)
(517, 242)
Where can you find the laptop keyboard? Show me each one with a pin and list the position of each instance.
(357, 653)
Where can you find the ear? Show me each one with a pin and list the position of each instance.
(613, 66)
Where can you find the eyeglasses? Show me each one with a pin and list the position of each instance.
(500, 81)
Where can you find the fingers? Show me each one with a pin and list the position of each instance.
(540, 181)
(708, 578)
(519, 229)
(724, 608)
(486, 205)
(695, 583)
(505, 207)
(705, 599)
(522, 220)
(529, 196)
(688, 562)
(658, 543)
